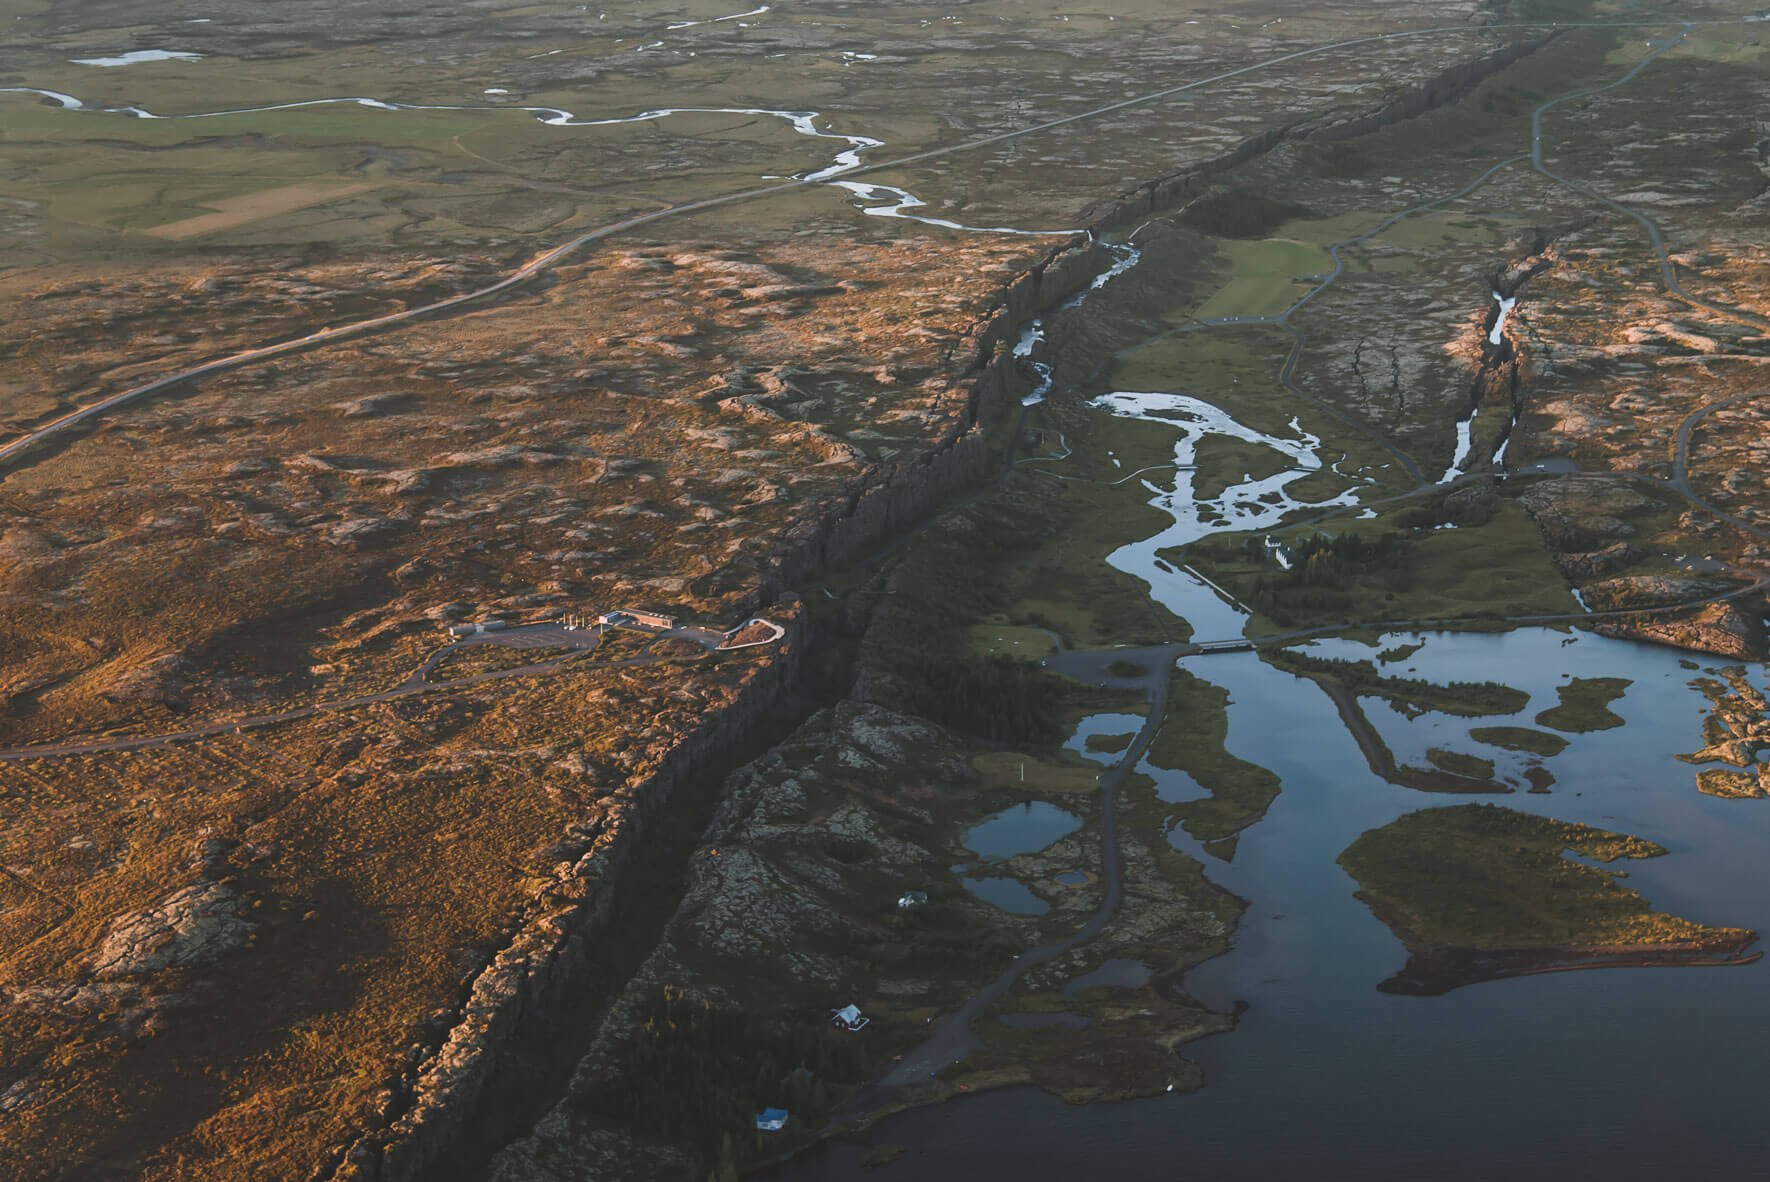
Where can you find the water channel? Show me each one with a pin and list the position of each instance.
(1621, 1073)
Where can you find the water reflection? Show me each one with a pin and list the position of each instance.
(1624, 1073)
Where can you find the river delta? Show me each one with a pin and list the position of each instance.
(1166, 530)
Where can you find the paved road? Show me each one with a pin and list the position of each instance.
(1681, 444)
(952, 1040)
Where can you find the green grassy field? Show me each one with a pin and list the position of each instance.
(1264, 277)
(1585, 703)
(1481, 876)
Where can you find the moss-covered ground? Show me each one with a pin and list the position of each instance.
(1481, 876)
(1519, 738)
(1266, 277)
(1460, 763)
(1585, 705)
(1191, 740)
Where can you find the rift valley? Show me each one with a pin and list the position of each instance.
(546, 551)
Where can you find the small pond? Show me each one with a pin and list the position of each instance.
(1118, 973)
(1021, 829)
(1010, 894)
(1105, 725)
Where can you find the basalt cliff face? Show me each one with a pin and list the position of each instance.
(547, 957)
(886, 500)
(1416, 99)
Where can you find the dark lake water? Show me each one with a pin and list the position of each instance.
(1020, 829)
(1612, 1073)
(1010, 894)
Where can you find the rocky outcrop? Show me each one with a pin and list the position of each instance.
(1473, 503)
(1724, 629)
(782, 879)
(188, 928)
(549, 956)
(1582, 513)
(158, 679)
(1599, 563)
(1649, 591)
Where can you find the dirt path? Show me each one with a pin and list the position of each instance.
(952, 1040)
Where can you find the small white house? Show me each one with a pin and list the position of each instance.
(848, 1018)
(912, 899)
(771, 1120)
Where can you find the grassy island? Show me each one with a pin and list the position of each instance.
(1411, 695)
(1585, 705)
(1192, 741)
(1478, 891)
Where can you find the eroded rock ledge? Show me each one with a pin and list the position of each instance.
(548, 956)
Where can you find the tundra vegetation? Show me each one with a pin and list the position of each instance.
(253, 953)
(1481, 876)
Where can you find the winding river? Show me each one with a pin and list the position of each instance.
(1621, 1073)
(876, 199)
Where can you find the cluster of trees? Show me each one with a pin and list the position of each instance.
(1241, 213)
(1003, 699)
(694, 1076)
(1333, 562)
(1333, 574)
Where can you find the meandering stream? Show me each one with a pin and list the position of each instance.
(875, 199)
(1621, 1073)
(1249, 504)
